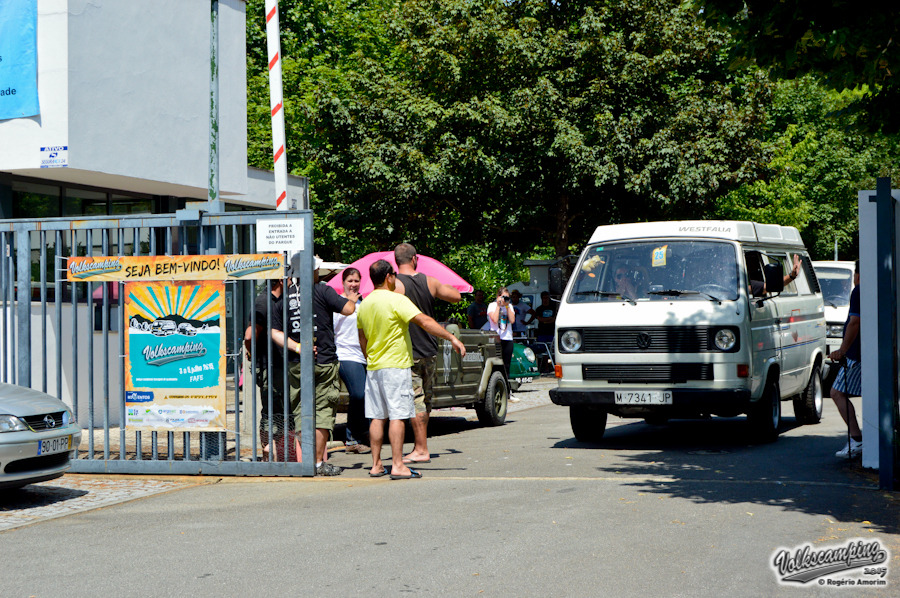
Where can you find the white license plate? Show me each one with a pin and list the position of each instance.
(55, 445)
(643, 397)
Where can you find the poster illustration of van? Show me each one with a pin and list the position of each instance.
(175, 355)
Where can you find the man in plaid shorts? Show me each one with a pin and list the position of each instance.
(849, 379)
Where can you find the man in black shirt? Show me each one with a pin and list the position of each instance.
(546, 317)
(264, 349)
(422, 291)
(326, 302)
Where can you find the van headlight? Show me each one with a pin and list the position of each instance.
(835, 330)
(725, 339)
(529, 354)
(570, 341)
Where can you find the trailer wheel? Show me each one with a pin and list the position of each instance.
(588, 423)
(492, 411)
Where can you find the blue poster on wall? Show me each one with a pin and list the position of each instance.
(18, 59)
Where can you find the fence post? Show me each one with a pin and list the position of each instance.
(23, 307)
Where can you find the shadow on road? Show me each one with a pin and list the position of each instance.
(718, 460)
(33, 496)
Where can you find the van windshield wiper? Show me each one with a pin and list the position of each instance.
(679, 292)
(607, 294)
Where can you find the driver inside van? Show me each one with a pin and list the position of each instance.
(628, 281)
(757, 287)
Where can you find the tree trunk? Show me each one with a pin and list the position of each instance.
(561, 241)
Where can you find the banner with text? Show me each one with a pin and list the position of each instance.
(18, 59)
(175, 356)
(257, 266)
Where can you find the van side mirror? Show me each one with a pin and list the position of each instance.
(557, 281)
(774, 275)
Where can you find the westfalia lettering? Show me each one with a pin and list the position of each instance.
(86, 269)
(238, 267)
(161, 355)
(704, 229)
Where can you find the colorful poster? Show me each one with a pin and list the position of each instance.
(175, 356)
(18, 59)
(258, 266)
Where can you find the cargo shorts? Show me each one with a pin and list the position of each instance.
(423, 382)
(328, 389)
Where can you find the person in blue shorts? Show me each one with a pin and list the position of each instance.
(849, 379)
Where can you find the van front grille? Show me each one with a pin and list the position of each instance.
(647, 372)
(646, 339)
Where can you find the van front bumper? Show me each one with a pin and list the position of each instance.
(685, 402)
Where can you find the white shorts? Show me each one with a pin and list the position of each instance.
(389, 394)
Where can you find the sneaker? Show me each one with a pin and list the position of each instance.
(513, 399)
(326, 468)
(852, 449)
(359, 449)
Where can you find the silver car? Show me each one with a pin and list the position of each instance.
(38, 436)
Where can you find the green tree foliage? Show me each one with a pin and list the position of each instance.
(848, 45)
(817, 162)
(513, 124)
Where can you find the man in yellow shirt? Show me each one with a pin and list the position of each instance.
(383, 323)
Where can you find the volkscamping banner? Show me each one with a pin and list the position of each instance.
(18, 59)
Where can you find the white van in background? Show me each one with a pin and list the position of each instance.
(836, 280)
(665, 320)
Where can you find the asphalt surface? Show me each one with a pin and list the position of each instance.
(694, 508)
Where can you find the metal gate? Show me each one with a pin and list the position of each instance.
(67, 339)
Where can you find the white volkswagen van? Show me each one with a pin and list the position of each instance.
(664, 320)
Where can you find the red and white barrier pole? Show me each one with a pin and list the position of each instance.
(276, 103)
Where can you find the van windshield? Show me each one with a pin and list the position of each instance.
(657, 270)
(836, 283)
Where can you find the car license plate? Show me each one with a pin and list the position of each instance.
(55, 445)
(643, 397)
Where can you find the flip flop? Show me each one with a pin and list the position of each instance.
(413, 474)
(408, 461)
(383, 472)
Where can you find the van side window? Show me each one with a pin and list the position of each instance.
(809, 273)
(755, 278)
(787, 264)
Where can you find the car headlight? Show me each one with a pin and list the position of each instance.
(835, 330)
(725, 339)
(570, 341)
(529, 354)
(68, 417)
(11, 423)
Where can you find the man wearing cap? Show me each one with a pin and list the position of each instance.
(384, 336)
(422, 291)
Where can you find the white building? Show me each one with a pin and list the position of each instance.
(123, 85)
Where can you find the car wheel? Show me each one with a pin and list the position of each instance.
(808, 404)
(492, 411)
(765, 414)
(588, 423)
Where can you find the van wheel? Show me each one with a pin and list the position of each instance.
(765, 414)
(492, 411)
(588, 423)
(808, 404)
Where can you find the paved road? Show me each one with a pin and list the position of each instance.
(689, 509)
